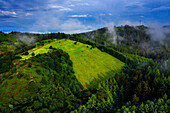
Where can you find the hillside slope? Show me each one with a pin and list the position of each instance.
(88, 62)
(40, 86)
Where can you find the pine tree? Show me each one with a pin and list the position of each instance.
(135, 99)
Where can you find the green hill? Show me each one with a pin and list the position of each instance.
(42, 86)
(88, 62)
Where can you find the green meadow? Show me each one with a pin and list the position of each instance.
(88, 63)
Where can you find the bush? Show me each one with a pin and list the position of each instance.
(75, 43)
(50, 47)
(33, 54)
(25, 53)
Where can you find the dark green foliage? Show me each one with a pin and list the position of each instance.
(50, 47)
(158, 105)
(75, 43)
(146, 82)
(57, 91)
(105, 98)
(33, 54)
(114, 53)
(6, 62)
(25, 53)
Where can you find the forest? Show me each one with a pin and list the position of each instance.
(47, 82)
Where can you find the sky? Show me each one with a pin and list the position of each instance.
(75, 16)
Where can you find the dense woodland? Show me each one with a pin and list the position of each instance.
(46, 83)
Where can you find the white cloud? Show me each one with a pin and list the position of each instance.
(60, 8)
(74, 26)
(110, 14)
(105, 14)
(79, 16)
(102, 14)
(28, 14)
(83, 4)
(134, 3)
(157, 31)
(45, 24)
(161, 8)
(71, 5)
(8, 13)
(48, 23)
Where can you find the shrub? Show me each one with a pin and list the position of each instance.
(50, 47)
(33, 54)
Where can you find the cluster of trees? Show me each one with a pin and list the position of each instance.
(6, 61)
(160, 105)
(58, 90)
(147, 82)
(105, 98)
(6, 37)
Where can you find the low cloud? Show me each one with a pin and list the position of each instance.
(158, 32)
(111, 30)
(26, 39)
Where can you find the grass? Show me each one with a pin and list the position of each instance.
(87, 63)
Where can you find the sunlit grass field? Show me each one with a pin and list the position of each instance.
(88, 62)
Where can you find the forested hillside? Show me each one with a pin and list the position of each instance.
(134, 40)
(57, 72)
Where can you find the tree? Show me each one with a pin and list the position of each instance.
(146, 108)
(37, 105)
(75, 42)
(26, 53)
(33, 54)
(135, 99)
(50, 47)
(44, 110)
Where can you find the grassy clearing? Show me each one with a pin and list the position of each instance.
(87, 63)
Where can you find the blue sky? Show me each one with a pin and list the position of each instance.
(73, 16)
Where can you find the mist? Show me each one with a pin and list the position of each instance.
(112, 33)
(28, 40)
(158, 32)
